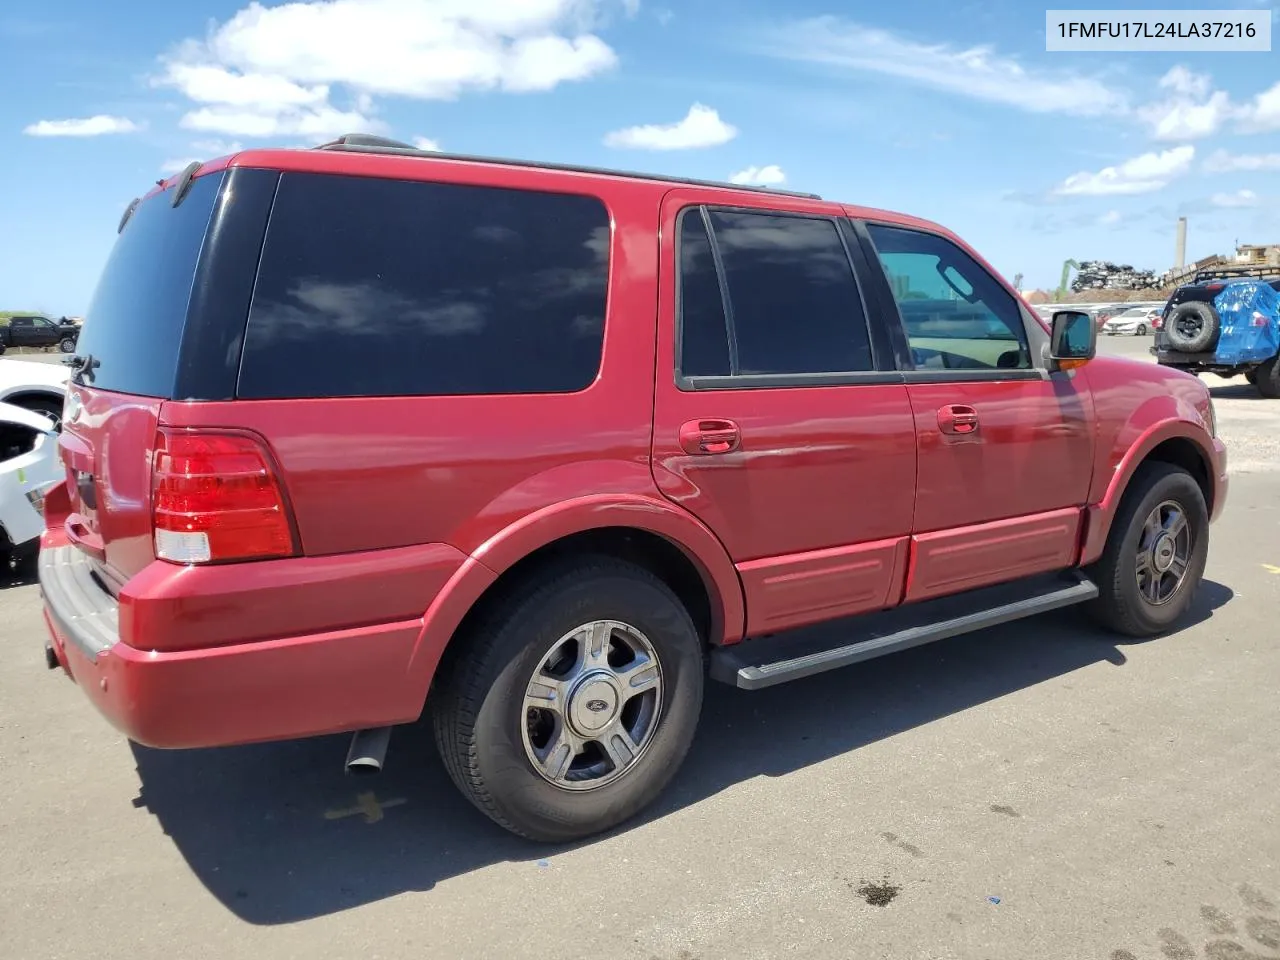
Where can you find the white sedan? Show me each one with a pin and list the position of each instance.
(1134, 322)
(29, 467)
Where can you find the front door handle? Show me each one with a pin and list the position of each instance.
(707, 437)
(958, 418)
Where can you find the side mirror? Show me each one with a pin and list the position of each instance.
(1073, 341)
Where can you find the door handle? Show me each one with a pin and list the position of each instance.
(958, 418)
(705, 437)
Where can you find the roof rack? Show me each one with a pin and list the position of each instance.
(368, 143)
(1262, 272)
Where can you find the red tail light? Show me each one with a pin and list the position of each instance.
(215, 497)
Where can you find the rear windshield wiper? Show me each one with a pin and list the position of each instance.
(82, 367)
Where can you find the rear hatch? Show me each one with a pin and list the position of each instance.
(126, 366)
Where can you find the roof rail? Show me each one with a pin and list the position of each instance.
(1260, 271)
(367, 143)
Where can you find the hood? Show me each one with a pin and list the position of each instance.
(22, 373)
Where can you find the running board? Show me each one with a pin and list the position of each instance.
(763, 662)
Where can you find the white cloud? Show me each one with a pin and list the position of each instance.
(975, 72)
(426, 143)
(767, 176)
(86, 127)
(206, 83)
(701, 127)
(1194, 110)
(1181, 80)
(1263, 112)
(176, 166)
(314, 67)
(1241, 198)
(1223, 162)
(1143, 174)
(1109, 219)
(217, 148)
(314, 124)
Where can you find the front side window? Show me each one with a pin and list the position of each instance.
(956, 314)
(768, 294)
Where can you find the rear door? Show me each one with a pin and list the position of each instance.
(779, 418)
(1005, 449)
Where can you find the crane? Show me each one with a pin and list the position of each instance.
(1066, 275)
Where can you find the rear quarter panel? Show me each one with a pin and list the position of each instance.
(373, 473)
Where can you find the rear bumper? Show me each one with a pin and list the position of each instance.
(237, 693)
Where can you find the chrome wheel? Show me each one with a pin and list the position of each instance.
(592, 705)
(1164, 553)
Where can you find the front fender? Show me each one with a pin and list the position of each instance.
(1099, 515)
(516, 541)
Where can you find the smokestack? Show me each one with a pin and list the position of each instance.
(1181, 256)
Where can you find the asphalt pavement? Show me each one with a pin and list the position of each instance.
(1039, 790)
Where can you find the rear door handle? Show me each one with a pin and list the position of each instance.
(958, 418)
(709, 437)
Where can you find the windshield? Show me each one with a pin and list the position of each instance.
(133, 327)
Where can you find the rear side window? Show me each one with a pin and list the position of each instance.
(134, 323)
(374, 287)
(793, 305)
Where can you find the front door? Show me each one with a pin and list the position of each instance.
(1005, 448)
(779, 419)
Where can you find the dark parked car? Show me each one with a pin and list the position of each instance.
(587, 439)
(36, 331)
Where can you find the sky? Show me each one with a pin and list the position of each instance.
(944, 109)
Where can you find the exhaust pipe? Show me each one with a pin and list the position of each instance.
(368, 751)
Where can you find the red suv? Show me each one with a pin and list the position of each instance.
(361, 431)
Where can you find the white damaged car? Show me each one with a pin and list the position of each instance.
(29, 467)
(41, 387)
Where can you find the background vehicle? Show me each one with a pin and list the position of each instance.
(40, 387)
(487, 505)
(29, 466)
(34, 331)
(1226, 322)
(1134, 322)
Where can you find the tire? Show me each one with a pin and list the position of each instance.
(484, 730)
(1141, 331)
(1252, 375)
(1266, 378)
(67, 345)
(1121, 606)
(2, 349)
(1192, 327)
(46, 406)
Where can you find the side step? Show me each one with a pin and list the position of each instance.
(763, 662)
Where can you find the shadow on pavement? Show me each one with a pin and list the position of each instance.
(278, 833)
(1235, 391)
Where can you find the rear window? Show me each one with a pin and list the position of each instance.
(372, 287)
(133, 327)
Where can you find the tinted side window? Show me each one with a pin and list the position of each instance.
(386, 287)
(704, 338)
(793, 298)
(956, 315)
(134, 324)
